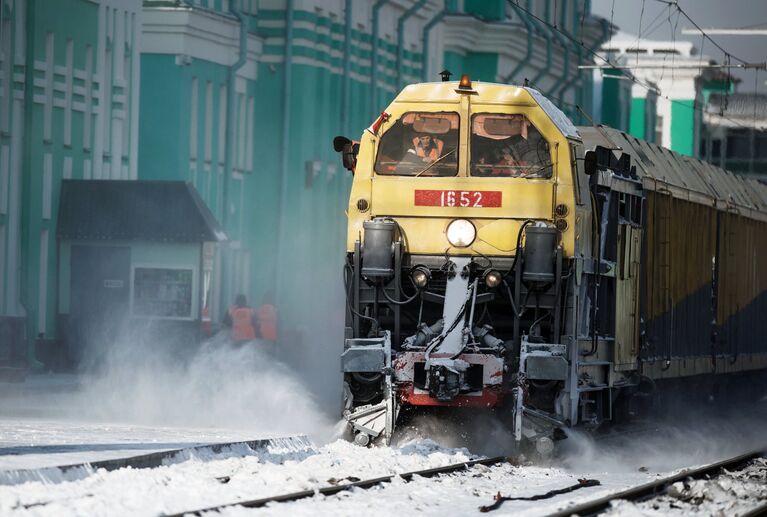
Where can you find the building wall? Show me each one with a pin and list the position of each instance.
(617, 106)
(643, 114)
(684, 127)
(667, 67)
(70, 112)
(255, 141)
(12, 90)
(143, 254)
(303, 85)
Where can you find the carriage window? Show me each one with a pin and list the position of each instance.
(508, 145)
(420, 144)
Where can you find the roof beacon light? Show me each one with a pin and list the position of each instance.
(464, 86)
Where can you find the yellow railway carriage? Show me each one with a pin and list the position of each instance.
(500, 257)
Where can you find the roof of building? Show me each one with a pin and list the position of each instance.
(747, 105)
(166, 211)
(626, 43)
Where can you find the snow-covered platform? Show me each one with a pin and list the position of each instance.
(45, 422)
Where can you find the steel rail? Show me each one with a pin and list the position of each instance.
(655, 488)
(756, 512)
(335, 489)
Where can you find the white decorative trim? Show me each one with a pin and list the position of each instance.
(47, 190)
(100, 109)
(208, 124)
(42, 288)
(66, 172)
(68, 92)
(5, 164)
(250, 141)
(199, 33)
(88, 104)
(221, 144)
(3, 251)
(135, 77)
(48, 100)
(193, 118)
(463, 34)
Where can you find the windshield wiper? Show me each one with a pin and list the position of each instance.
(432, 164)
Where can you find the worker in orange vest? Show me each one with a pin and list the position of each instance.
(427, 147)
(242, 320)
(267, 318)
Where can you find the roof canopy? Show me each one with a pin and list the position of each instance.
(165, 211)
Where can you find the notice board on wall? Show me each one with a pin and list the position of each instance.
(162, 292)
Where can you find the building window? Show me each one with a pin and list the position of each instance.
(162, 292)
(716, 148)
(738, 146)
(761, 146)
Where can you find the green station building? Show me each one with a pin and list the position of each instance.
(239, 99)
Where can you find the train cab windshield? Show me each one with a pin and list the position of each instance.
(508, 145)
(420, 144)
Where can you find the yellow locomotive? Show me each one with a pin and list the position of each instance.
(500, 257)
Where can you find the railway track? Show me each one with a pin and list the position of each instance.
(360, 484)
(660, 487)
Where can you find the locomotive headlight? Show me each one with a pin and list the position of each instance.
(492, 278)
(420, 276)
(461, 233)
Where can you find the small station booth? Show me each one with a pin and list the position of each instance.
(136, 265)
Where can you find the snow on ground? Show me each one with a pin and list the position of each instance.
(732, 493)
(194, 484)
(139, 406)
(49, 420)
(140, 401)
(38, 443)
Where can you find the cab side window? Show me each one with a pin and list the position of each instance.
(420, 144)
(508, 145)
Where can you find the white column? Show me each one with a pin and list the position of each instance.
(135, 76)
(99, 111)
(88, 111)
(68, 92)
(42, 294)
(48, 95)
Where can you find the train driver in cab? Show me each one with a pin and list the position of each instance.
(509, 159)
(510, 146)
(427, 147)
(420, 144)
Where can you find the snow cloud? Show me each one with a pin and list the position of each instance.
(219, 385)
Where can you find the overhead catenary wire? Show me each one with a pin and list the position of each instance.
(630, 77)
(639, 35)
(746, 66)
(655, 24)
(675, 3)
(728, 56)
